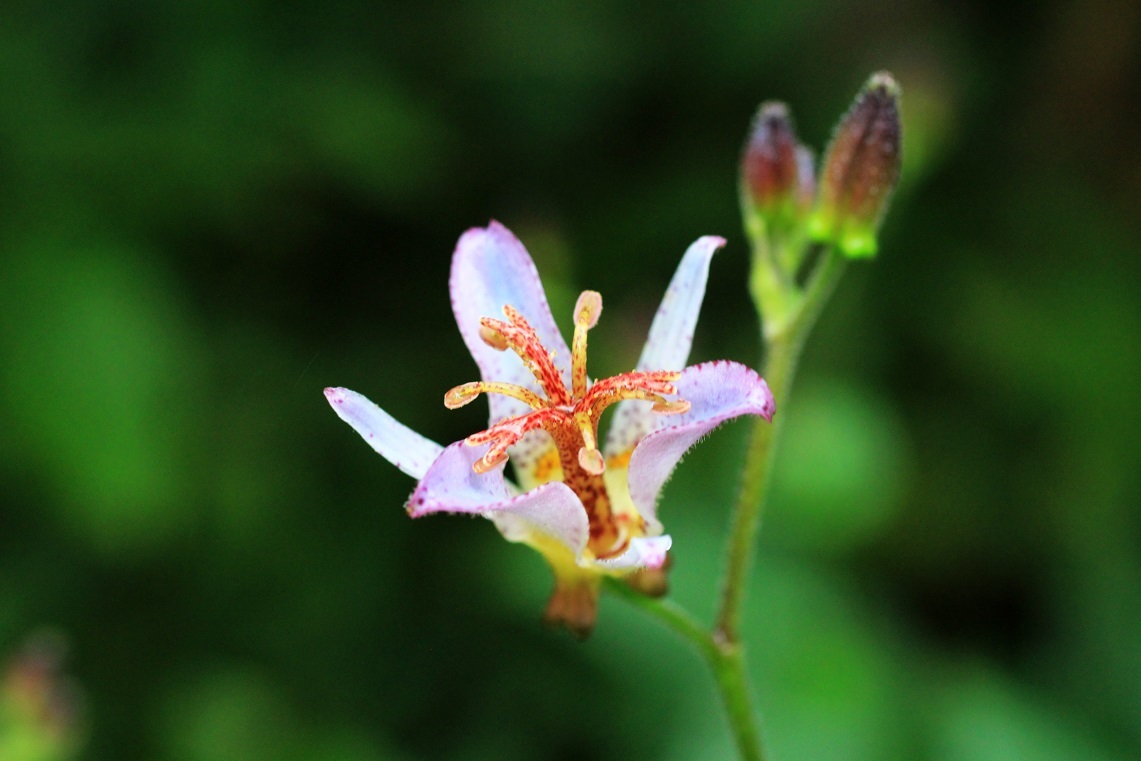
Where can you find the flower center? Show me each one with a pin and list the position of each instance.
(569, 416)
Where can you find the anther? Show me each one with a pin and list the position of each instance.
(461, 395)
(465, 393)
(491, 335)
(490, 460)
(587, 309)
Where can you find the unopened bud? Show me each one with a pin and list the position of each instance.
(860, 170)
(776, 170)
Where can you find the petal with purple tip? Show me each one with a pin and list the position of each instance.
(397, 443)
(670, 339)
(452, 486)
(643, 552)
(490, 270)
(716, 392)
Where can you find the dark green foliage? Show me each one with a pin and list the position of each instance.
(210, 211)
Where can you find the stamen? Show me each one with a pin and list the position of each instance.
(520, 337)
(647, 386)
(658, 382)
(587, 310)
(533, 347)
(671, 408)
(467, 392)
(602, 402)
(508, 431)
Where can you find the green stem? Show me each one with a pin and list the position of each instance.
(784, 341)
(725, 660)
(733, 679)
(668, 612)
(778, 371)
(784, 338)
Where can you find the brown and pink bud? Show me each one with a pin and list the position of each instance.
(776, 170)
(860, 170)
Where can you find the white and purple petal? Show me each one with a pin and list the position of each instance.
(671, 333)
(492, 269)
(397, 443)
(716, 392)
(643, 552)
(670, 339)
(451, 485)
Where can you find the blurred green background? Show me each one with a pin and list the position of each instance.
(209, 212)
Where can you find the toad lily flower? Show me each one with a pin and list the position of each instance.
(590, 511)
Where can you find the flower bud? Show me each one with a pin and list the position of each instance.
(776, 171)
(860, 170)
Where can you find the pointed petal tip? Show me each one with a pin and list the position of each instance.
(885, 82)
(493, 228)
(713, 242)
(397, 443)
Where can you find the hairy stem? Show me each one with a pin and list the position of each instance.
(783, 345)
(785, 332)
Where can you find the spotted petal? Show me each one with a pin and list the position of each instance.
(451, 485)
(716, 392)
(669, 342)
(397, 443)
(490, 270)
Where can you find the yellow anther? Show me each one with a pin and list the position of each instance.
(461, 395)
(492, 337)
(490, 460)
(587, 309)
(465, 393)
